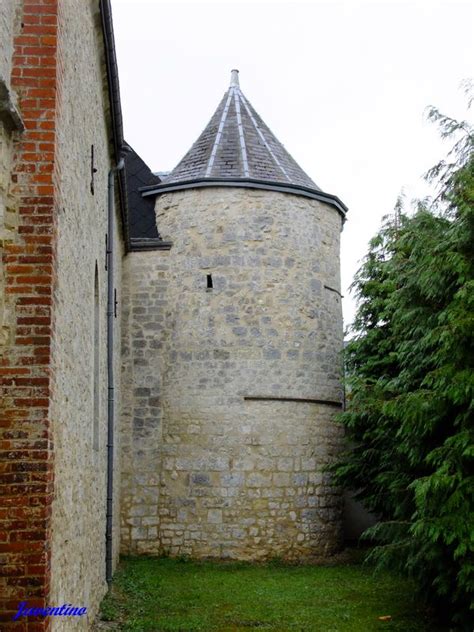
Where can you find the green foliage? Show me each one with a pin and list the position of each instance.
(411, 384)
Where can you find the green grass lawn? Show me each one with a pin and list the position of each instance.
(171, 595)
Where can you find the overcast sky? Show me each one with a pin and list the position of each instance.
(342, 84)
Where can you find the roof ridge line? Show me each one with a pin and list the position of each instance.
(243, 148)
(260, 133)
(212, 157)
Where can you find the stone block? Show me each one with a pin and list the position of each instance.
(214, 516)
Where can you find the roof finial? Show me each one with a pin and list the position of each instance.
(234, 78)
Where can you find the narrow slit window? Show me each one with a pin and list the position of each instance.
(93, 170)
(209, 282)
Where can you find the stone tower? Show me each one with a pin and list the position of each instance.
(232, 355)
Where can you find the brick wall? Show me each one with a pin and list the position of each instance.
(26, 448)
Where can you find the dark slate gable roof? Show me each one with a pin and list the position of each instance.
(237, 144)
(142, 221)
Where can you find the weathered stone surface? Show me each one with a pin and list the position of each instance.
(238, 478)
(143, 454)
(78, 518)
(9, 26)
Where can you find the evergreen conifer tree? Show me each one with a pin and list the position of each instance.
(410, 416)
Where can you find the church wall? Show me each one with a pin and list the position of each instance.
(8, 225)
(8, 26)
(52, 527)
(239, 478)
(78, 412)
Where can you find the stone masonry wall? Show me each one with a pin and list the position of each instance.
(239, 478)
(143, 314)
(79, 507)
(9, 26)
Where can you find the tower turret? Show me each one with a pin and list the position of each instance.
(235, 341)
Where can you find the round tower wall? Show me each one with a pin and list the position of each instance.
(250, 378)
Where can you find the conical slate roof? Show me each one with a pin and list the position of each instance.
(237, 144)
(238, 149)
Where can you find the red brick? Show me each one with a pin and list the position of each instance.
(29, 82)
(24, 289)
(35, 259)
(14, 371)
(30, 18)
(33, 279)
(29, 40)
(34, 300)
(46, 190)
(40, 29)
(20, 546)
(45, 147)
(35, 91)
(8, 479)
(43, 51)
(39, 72)
(38, 239)
(49, 167)
(49, 19)
(34, 7)
(47, 82)
(47, 40)
(27, 536)
(19, 269)
(34, 320)
(26, 470)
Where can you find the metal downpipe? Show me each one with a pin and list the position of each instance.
(110, 369)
